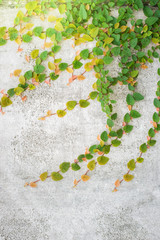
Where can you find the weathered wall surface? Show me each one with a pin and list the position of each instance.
(56, 211)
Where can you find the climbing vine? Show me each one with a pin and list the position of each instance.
(122, 36)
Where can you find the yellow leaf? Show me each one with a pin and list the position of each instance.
(116, 25)
(51, 66)
(88, 66)
(108, 40)
(29, 25)
(51, 18)
(43, 176)
(59, 27)
(94, 86)
(80, 77)
(18, 40)
(123, 28)
(34, 53)
(85, 178)
(48, 44)
(17, 72)
(22, 80)
(42, 17)
(70, 70)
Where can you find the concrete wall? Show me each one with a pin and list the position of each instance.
(56, 211)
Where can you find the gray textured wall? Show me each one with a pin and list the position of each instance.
(56, 211)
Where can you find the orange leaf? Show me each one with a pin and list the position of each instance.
(154, 124)
(42, 118)
(20, 49)
(17, 72)
(100, 153)
(75, 182)
(24, 98)
(80, 77)
(129, 107)
(32, 184)
(48, 82)
(49, 113)
(85, 178)
(98, 138)
(86, 151)
(144, 66)
(27, 58)
(117, 183)
(84, 159)
(71, 79)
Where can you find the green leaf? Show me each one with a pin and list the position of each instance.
(131, 165)
(151, 132)
(31, 87)
(80, 157)
(2, 41)
(134, 73)
(151, 142)
(114, 116)
(143, 148)
(61, 113)
(5, 101)
(140, 160)
(156, 103)
(156, 117)
(44, 55)
(26, 38)
(39, 68)
(75, 167)
(28, 75)
(43, 176)
(115, 143)
(77, 64)
(91, 165)
(151, 20)
(53, 76)
(71, 105)
(63, 66)
(104, 136)
(128, 128)
(37, 31)
(119, 133)
(56, 48)
(18, 90)
(127, 118)
(82, 12)
(89, 156)
(130, 100)
(93, 95)
(139, 3)
(106, 149)
(102, 160)
(97, 51)
(110, 123)
(34, 53)
(84, 103)
(108, 59)
(11, 92)
(128, 177)
(64, 166)
(116, 51)
(84, 54)
(56, 176)
(41, 77)
(13, 33)
(133, 42)
(137, 96)
(135, 114)
(148, 11)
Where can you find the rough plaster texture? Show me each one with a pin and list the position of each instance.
(56, 211)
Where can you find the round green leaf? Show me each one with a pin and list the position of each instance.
(5, 101)
(104, 136)
(91, 165)
(128, 177)
(71, 105)
(75, 167)
(64, 166)
(131, 165)
(84, 103)
(115, 143)
(61, 113)
(56, 176)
